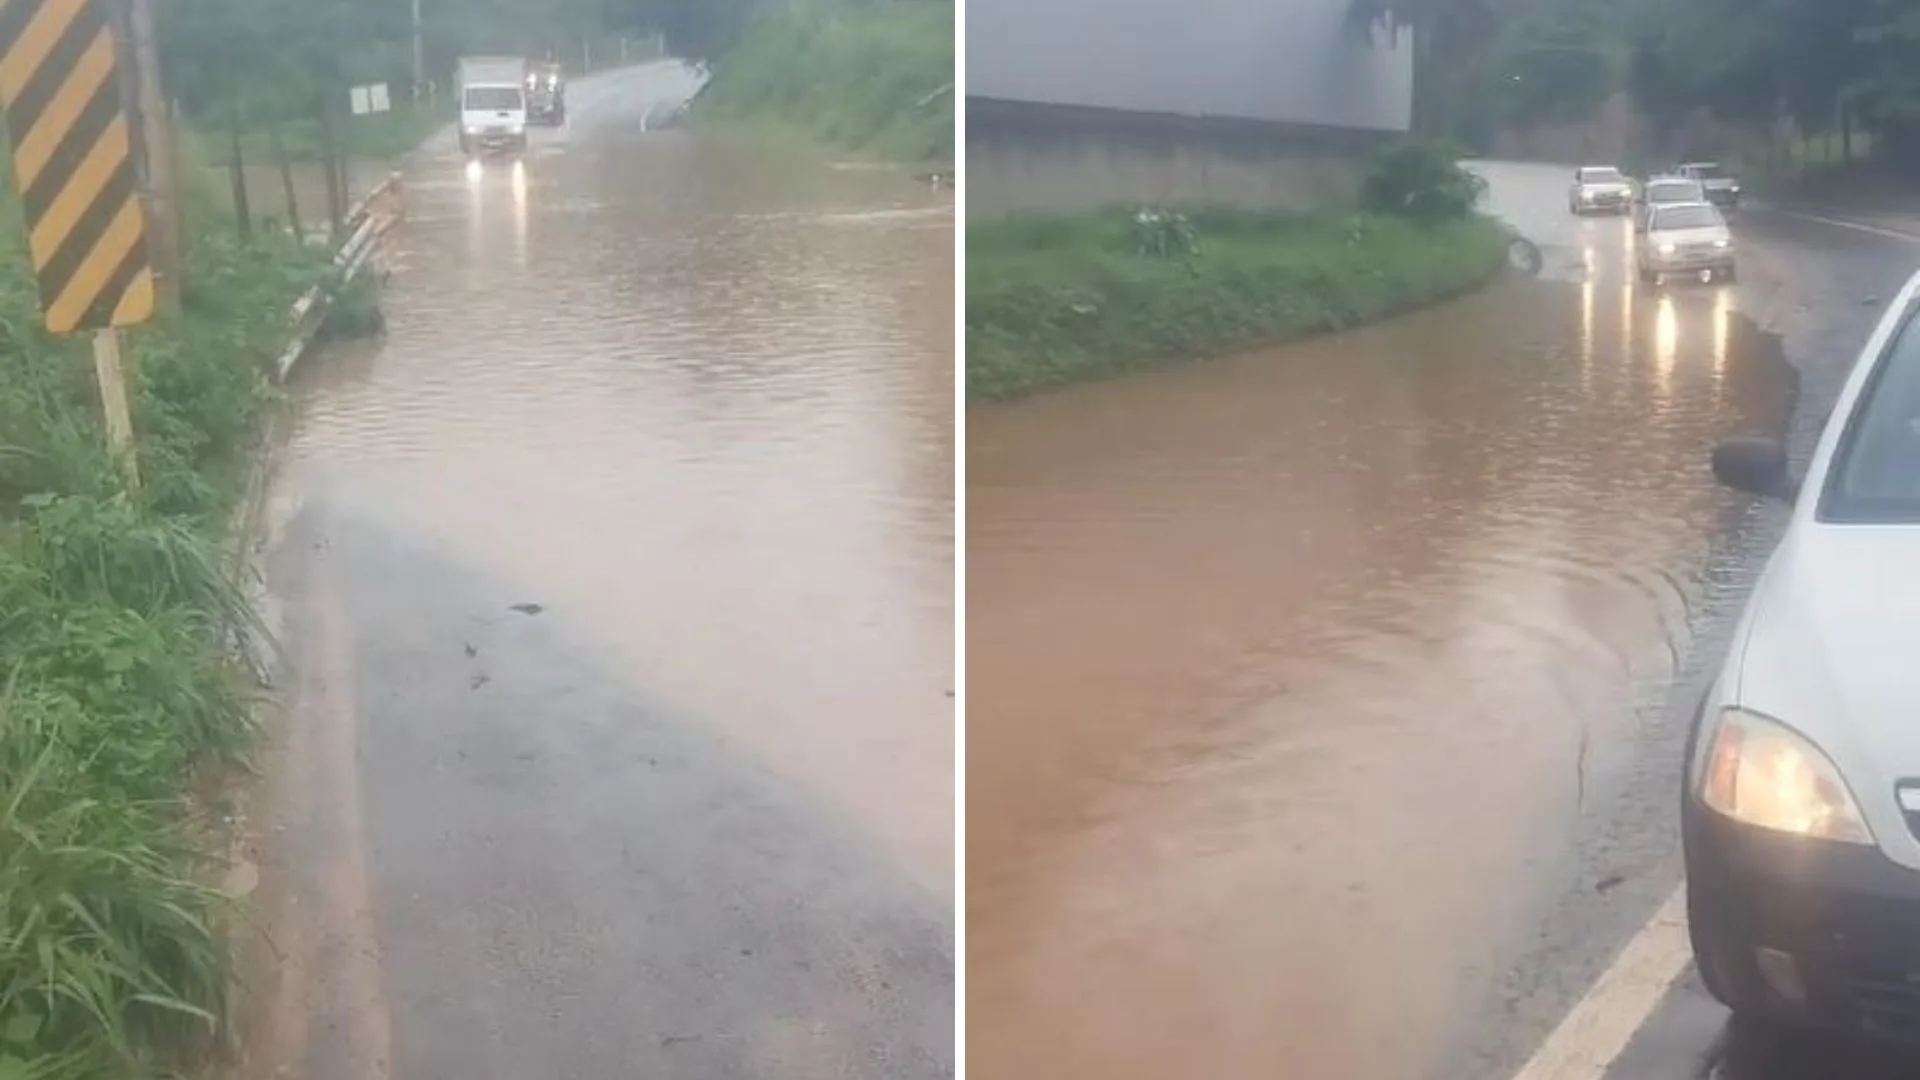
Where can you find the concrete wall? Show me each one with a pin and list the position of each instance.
(1028, 158)
(1287, 61)
(1076, 104)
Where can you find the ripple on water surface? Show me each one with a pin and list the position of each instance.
(1289, 674)
(669, 391)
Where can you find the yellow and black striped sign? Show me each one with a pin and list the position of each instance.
(73, 163)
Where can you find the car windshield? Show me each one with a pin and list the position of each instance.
(481, 98)
(1670, 191)
(1600, 176)
(1686, 217)
(1876, 471)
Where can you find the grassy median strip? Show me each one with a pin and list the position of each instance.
(1052, 300)
(875, 78)
(116, 690)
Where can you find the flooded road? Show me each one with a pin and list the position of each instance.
(618, 585)
(1306, 685)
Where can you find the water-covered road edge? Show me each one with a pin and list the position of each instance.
(436, 709)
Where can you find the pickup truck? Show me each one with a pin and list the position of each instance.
(546, 95)
(1721, 188)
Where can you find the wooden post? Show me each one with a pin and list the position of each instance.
(158, 146)
(111, 375)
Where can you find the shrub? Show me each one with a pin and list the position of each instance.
(1423, 182)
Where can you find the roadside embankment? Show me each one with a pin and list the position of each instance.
(1052, 300)
(119, 699)
(877, 79)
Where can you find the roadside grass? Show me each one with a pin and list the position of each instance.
(875, 79)
(379, 137)
(116, 607)
(1052, 300)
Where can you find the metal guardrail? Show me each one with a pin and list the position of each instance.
(367, 221)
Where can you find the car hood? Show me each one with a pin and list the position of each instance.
(1609, 187)
(1719, 183)
(1830, 649)
(1706, 235)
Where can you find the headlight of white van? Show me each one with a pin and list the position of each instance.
(1760, 773)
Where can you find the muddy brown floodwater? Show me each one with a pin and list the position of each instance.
(1288, 673)
(618, 583)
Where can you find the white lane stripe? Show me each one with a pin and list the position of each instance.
(1598, 1028)
(1856, 226)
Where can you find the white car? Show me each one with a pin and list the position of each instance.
(1662, 190)
(1599, 187)
(1801, 809)
(1684, 240)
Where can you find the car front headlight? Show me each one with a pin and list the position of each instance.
(1723, 244)
(1665, 249)
(1760, 773)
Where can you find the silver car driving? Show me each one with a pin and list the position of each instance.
(1597, 188)
(1685, 240)
(1661, 191)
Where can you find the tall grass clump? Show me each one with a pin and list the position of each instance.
(870, 77)
(1054, 299)
(116, 606)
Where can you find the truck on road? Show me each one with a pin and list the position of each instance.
(546, 94)
(493, 104)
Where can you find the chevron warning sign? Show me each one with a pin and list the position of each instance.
(73, 164)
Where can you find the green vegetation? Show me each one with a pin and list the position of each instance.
(871, 77)
(380, 137)
(1051, 300)
(1759, 80)
(116, 609)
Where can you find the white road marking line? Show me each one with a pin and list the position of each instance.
(1856, 226)
(1598, 1028)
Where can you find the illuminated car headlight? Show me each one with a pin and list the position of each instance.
(1723, 244)
(1585, 195)
(1760, 773)
(1665, 249)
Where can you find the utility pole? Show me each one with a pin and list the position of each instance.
(419, 54)
(157, 139)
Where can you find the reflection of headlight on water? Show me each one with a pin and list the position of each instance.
(474, 172)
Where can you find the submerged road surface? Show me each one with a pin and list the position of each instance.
(617, 582)
(1325, 702)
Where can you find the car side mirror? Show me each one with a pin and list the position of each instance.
(1757, 466)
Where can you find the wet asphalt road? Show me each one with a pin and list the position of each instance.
(1819, 285)
(616, 587)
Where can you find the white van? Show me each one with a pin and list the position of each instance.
(493, 104)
